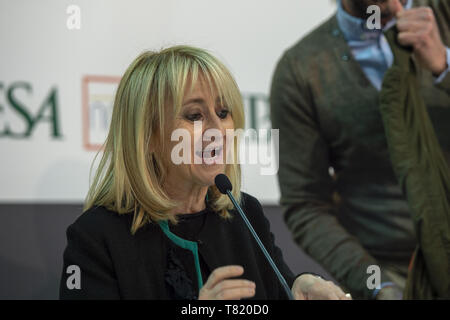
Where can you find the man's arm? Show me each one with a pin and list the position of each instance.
(423, 174)
(306, 186)
(427, 30)
(443, 75)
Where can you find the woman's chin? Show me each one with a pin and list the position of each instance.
(207, 173)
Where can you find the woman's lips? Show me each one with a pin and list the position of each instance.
(210, 155)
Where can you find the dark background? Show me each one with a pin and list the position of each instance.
(32, 242)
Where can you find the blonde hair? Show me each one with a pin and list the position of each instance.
(129, 176)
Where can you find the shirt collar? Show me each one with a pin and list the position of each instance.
(354, 29)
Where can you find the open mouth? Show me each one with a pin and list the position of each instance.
(211, 155)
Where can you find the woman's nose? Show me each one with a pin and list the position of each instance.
(213, 126)
(214, 122)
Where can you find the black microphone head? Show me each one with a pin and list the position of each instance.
(223, 183)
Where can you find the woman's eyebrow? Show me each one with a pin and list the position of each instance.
(194, 101)
(198, 100)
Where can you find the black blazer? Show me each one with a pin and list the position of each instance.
(115, 264)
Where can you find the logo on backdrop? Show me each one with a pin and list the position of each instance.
(98, 98)
(20, 114)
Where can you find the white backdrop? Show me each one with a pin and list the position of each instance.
(46, 67)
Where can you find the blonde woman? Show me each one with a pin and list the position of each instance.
(155, 228)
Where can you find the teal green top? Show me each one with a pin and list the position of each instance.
(185, 244)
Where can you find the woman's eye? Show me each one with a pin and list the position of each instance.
(223, 113)
(194, 116)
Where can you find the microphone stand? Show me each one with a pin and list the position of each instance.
(266, 254)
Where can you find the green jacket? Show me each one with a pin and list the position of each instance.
(328, 115)
(422, 172)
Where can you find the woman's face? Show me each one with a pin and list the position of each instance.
(202, 122)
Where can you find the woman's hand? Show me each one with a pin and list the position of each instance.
(310, 287)
(219, 287)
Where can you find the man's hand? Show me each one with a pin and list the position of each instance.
(418, 29)
(310, 287)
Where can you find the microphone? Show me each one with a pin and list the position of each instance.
(224, 185)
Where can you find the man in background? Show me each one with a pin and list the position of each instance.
(341, 198)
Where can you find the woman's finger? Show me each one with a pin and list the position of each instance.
(337, 290)
(222, 273)
(231, 284)
(235, 293)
